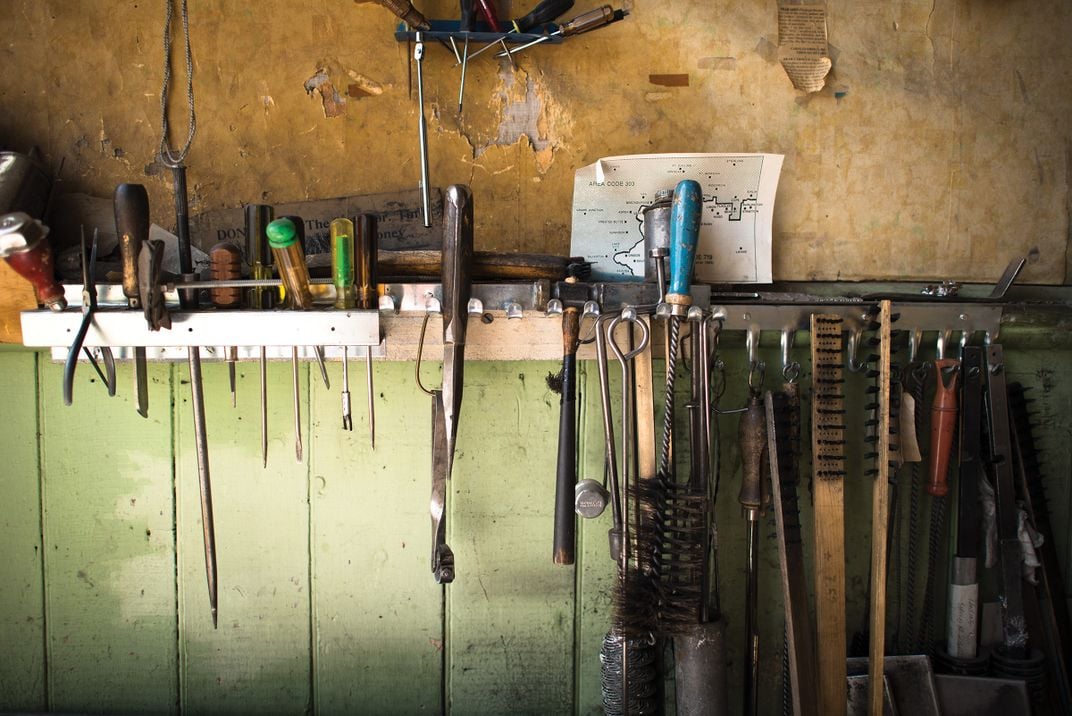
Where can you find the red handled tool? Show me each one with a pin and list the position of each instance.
(24, 245)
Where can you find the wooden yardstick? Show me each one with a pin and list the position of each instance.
(828, 465)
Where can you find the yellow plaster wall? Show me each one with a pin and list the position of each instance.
(940, 147)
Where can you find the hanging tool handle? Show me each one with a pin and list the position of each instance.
(592, 19)
(566, 474)
(404, 10)
(457, 262)
(752, 437)
(684, 234)
(467, 19)
(225, 264)
(24, 245)
(367, 258)
(943, 424)
(132, 227)
(487, 10)
(545, 12)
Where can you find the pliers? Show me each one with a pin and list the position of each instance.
(89, 306)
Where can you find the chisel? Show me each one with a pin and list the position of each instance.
(132, 227)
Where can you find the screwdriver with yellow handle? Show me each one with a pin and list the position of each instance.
(584, 22)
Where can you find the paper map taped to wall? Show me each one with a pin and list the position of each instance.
(735, 233)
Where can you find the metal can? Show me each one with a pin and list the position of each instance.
(656, 231)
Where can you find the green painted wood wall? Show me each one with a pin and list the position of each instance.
(327, 604)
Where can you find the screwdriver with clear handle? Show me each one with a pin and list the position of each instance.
(290, 258)
(584, 22)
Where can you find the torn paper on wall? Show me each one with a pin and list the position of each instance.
(802, 45)
(735, 231)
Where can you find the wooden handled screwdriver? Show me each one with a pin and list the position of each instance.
(225, 264)
(368, 296)
(132, 227)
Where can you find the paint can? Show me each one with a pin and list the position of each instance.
(656, 231)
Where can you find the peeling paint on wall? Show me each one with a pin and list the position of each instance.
(329, 96)
(519, 116)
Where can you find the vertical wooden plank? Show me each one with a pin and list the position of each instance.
(879, 521)
(378, 614)
(258, 661)
(109, 548)
(511, 609)
(22, 630)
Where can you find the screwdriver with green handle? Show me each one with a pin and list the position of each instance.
(342, 276)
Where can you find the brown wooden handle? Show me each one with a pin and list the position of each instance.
(571, 323)
(132, 227)
(752, 437)
(943, 424)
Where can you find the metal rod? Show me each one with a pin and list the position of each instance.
(204, 481)
(371, 396)
(264, 406)
(418, 55)
(297, 404)
(318, 351)
(347, 423)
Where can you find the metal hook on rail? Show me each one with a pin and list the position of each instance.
(756, 368)
(590, 310)
(855, 365)
(915, 338)
(431, 306)
(790, 368)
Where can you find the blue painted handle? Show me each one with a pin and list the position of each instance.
(684, 230)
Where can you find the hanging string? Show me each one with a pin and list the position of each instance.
(168, 155)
